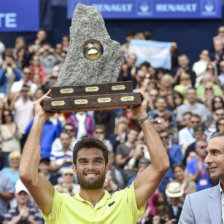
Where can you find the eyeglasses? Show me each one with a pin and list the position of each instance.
(6, 115)
(209, 88)
(157, 122)
(221, 124)
(68, 174)
(26, 73)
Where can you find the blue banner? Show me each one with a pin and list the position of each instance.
(19, 15)
(155, 9)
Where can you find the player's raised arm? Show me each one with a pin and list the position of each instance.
(39, 187)
(149, 179)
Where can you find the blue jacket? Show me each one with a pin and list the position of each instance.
(4, 79)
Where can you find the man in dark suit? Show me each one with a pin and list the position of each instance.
(207, 206)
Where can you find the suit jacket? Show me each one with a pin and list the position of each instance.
(202, 207)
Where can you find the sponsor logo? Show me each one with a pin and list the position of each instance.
(124, 8)
(109, 205)
(8, 20)
(143, 7)
(208, 8)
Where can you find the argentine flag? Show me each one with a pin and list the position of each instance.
(157, 53)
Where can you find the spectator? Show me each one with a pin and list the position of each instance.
(187, 186)
(220, 125)
(48, 59)
(175, 156)
(161, 110)
(123, 152)
(125, 46)
(11, 136)
(2, 49)
(99, 133)
(50, 133)
(208, 79)
(17, 86)
(174, 192)
(153, 94)
(61, 158)
(183, 63)
(36, 68)
(13, 170)
(166, 85)
(106, 118)
(200, 66)
(8, 74)
(185, 84)
(115, 174)
(83, 124)
(65, 42)
(25, 212)
(199, 133)
(193, 106)
(221, 73)
(6, 194)
(44, 169)
(120, 133)
(57, 144)
(196, 170)
(67, 183)
(185, 135)
(23, 106)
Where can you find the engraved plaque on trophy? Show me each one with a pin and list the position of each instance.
(87, 79)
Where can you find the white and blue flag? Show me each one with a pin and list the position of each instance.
(157, 53)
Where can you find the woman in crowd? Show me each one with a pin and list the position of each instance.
(36, 68)
(220, 125)
(187, 185)
(11, 136)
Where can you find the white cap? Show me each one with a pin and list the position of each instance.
(20, 187)
(174, 190)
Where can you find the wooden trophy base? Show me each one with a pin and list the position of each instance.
(107, 96)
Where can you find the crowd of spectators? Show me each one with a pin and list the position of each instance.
(186, 107)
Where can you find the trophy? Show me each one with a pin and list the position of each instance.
(87, 79)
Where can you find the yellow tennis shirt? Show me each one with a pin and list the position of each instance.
(119, 208)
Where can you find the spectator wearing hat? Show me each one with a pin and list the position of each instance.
(67, 184)
(25, 212)
(174, 192)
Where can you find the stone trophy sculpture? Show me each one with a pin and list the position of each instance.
(87, 79)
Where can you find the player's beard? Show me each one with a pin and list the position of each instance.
(91, 183)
